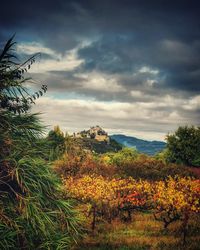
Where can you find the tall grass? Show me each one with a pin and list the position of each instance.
(143, 233)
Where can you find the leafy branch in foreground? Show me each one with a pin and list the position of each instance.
(14, 96)
(33, 214)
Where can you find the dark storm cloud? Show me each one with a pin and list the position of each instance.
(178, 63)
(74, 19)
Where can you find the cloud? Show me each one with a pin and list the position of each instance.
(154, 120)
(100, 82)
(33, 48)
(55, 62)
(171, 63)
(193, 104)
(129, 66)
(145, 69)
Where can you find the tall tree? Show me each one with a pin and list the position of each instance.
(184, 146)
(57, 142)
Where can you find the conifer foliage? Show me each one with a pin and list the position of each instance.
(33, 214)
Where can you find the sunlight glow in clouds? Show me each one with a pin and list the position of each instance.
(97, 81)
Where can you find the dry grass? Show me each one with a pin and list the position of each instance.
(142, 233)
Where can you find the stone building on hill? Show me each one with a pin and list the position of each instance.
(96, 133)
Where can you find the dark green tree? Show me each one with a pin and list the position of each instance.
(33, 214)
(184, 146)
(57, 143)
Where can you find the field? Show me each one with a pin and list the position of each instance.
(144, 232)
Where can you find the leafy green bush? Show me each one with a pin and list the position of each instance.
(147, 167)
(125, 155)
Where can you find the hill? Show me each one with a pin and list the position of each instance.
(143, 146)
(97, 146)
(96, 139)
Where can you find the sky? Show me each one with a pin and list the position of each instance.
(130, 66)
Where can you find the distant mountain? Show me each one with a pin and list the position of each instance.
(143, 146)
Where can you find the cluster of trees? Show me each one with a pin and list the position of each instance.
(33, 213)
(124, 163)
(130, 163)
(170, 200)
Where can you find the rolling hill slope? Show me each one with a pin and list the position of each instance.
(143, 146)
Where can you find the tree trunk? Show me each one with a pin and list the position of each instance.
(94, 217)
(185, 224)
(129, 218)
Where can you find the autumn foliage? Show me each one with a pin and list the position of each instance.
(113, 186)
(169, 200)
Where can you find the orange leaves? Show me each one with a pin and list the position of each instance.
(170, 200)
(176, 199)
(100, 190)
(90, 189)
(178, 194)
(134, 199)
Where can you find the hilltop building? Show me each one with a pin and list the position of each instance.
(96, 133)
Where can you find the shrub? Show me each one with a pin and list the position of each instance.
(147, 167)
